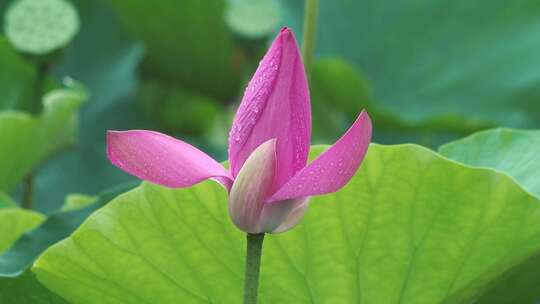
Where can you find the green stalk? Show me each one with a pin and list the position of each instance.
(310, 28)
(28, 189)
(253, 267)
(34, 107)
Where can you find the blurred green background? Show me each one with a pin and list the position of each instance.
(427, 71)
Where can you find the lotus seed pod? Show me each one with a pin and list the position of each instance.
(40, 27)
(253, 19)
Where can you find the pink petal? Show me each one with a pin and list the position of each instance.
(247, 200)
(252, 187)
(294, 216)
(275, 105)
(162, 159)
(333, 168)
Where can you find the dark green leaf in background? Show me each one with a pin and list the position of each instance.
(178, 109)
(338, 94)
(451, 64)
(104, 58)
(6, 201)
(186, 41)
(26, 290)
(16, 78)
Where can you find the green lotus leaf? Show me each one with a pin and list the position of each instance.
(514, 152)
(410, 227)
(76, 201)
(6, 201)
(57, 226)
(27, 140)
(25, 289)
(14, 222)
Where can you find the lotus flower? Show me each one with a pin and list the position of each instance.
(269, 181)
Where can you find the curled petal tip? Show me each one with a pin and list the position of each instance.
(286, 32)
(333, 168)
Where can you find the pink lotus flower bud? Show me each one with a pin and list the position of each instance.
(269, 181)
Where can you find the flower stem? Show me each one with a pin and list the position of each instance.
(34, 107)
(310, 27)
(28, 187)
(253, 266)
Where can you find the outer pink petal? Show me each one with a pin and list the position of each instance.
(333, 168)
(294, 216)
(275, 105)
(252, 187)
(162, 159)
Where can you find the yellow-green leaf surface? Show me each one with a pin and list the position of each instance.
(411, 227)
(515, 152)
(14, 222)
(76, 201)
(24, 289)
(26, 139)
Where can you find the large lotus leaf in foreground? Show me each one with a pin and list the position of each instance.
(411, 227)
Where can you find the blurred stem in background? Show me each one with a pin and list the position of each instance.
(39, 84)
(308, 36)
(28, 185)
